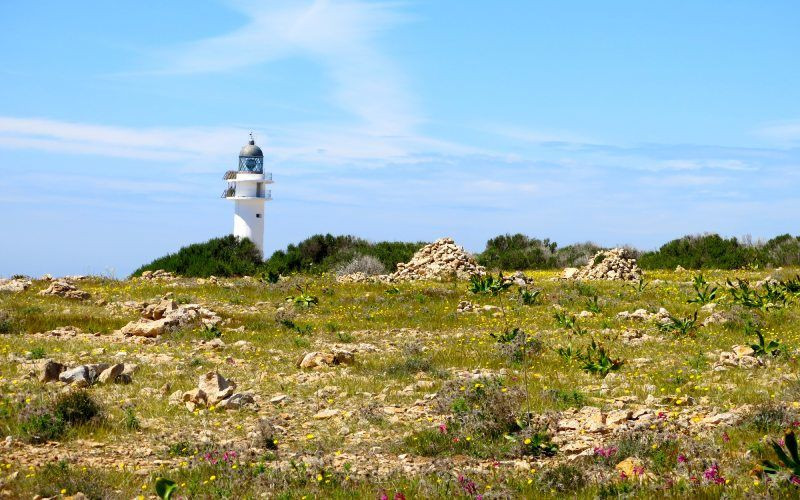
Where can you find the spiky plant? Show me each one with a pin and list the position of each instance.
(789, 459)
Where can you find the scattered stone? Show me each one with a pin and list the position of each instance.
(213, 390)
(111, 373)
(635, 337)
(78, 376)
(631, 467)
(743, 350)
(49, 370)
(63, 289)
(216, 387)
(314, 360)
(741, 356)
(236, 401)
(326, 414)
(716, 318)
(158, 274)
(15, 285)
(165, 316)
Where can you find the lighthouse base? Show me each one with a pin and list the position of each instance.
(248, 222)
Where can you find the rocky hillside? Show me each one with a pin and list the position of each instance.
(530, 386)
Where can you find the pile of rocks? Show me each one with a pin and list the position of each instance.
(14, 285)
(616, 264)
(581, 432)
(441, 259)
(213, 390)
(635, 337)
(359, 277)
(662, 316)
(158, 274)
(61, 288)
(315, 360)
(85, 375)
(166, 316)
(741, 356)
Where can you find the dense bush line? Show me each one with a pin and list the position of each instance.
(711, 251)
(229, 256)
(226, 256)
(320, 253)
(519, 252)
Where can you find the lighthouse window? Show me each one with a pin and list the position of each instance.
(258, 216)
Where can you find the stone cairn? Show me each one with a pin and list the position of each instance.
(158, 274)
(616, 264)
(61, 288)
(441, 259)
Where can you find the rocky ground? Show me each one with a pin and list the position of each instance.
(237, 388)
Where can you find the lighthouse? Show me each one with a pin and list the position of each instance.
(247, 188)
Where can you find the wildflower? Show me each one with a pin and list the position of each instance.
(725, 437)
(467, 485)
(443, 428)
(606, 451)
(712, 475)
(682, 459)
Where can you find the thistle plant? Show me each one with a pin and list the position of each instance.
(762, 348)
(303, 299)
(639, 285)
(564, 320)
(165, 488)
(596, 360)
(529, 297)
(791, 286)
(593, 305)
(488, 284)
(681, 326)
(789, 459)
(705, 293)
(748, 297)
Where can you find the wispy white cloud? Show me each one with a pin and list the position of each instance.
(787, 132)
(340, 35)
(153, 143)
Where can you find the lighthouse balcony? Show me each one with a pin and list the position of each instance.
(261, 194)
(231, 176)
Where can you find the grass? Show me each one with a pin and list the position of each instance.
(401, 338)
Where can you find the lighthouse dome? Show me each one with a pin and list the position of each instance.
(250, 149)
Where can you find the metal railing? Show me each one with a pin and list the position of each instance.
(231, 193)
(231, 174)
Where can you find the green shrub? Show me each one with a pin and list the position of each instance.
(322, 253)
(40, 424)
(226, 256)
(76, 407)
(518, 252)
(708, 251)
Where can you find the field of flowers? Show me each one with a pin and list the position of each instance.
(679, 385)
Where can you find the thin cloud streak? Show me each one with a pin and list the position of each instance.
(342, 36)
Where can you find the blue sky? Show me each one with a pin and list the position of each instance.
(617, 122)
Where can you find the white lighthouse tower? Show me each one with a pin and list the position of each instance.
(247, 188)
